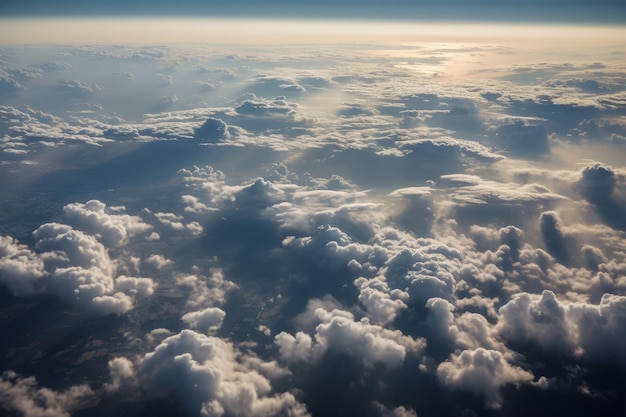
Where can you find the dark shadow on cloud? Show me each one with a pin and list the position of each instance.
(212, 130)
(416, 214)
(9, 86)
(270, 87)
(553, 237)
(425, 160)
(267, 116)
(559, 118)
(458, 114)
(523, 140)
(597, 186)
(77, 89)
(584, 84)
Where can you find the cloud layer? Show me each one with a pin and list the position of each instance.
(376, 229)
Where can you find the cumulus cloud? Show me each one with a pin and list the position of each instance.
(212, 130)
(573, 329)
(482, 372)
(112, 228)
(121, 374)
(205, 290)
(605, 188)
(211, 378)
(159, 261)
(338, 331)
(75, 88)
(22, 395)
(406, 228)
(176, 222)
(542, 320)
(76, 265)
(20, 268)
(550, 225)
(523, 140)
(207, 320)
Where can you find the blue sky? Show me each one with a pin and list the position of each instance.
(481, 10)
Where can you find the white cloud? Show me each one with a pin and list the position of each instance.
(159, 261)
(569, 328)
(211, 378)
(339, 332)
(208, 320)
(75, 265)
(373, 179)
(205, 290)
(20, 268)
(121, 373)
(112, 229)
(483, 372)
(22, 395)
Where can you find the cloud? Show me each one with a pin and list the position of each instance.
(606, 190)
(339, 332)
(159, 261)
(205, 290)
(373, 231)
(550, 225)
(574, 328)
(77, 89)
(381, 303)
(211, 378)
(76, 265)
(523, 140)
(121, 374)
(207, 320)
(20, 268)
(113, 229)
(482, 372)
(175, 222)
(399, 411)
(22, 395)
(541, 320)
(212, 130)
(8, 84)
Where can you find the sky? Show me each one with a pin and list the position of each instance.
(483, 10)
(257, 211)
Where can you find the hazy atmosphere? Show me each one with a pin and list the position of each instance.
(352, 209)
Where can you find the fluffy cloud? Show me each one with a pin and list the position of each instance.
(22, 395)
(74, 264)
(205, 290)
(211, 378)
(550, 225)
(121, 373)
(339, 332)
(212, 130)
(574, 329)
(20, 268)
(207, 320)
(377, 235)
(112, 228)
(523, 140)
(482, 372)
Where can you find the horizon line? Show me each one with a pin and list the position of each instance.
(240, 30)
